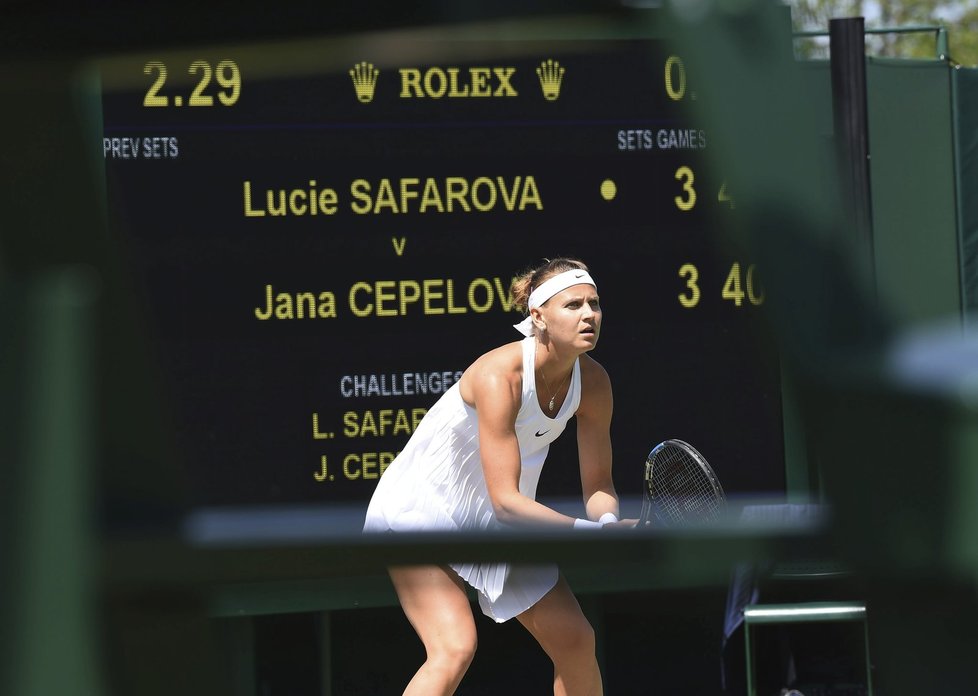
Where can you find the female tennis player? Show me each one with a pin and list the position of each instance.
(473, 464)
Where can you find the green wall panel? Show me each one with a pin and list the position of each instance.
(914, 221)
(912, 175)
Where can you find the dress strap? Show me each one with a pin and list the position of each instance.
(529, 345)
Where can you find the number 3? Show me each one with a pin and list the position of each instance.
(690, 200)
(691, 274)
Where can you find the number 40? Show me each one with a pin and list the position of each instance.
(733, 289)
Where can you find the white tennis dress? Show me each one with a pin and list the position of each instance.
(437, 483)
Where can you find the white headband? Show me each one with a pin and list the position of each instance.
(549, 288)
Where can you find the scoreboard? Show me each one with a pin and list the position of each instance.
(322, 236)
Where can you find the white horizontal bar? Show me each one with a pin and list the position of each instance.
(805, 611)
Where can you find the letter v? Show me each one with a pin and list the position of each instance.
(399, 248)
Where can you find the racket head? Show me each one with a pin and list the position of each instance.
(680, 488)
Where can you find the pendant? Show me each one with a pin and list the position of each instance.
(551, 403)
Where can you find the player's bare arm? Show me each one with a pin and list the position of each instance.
(594, 440)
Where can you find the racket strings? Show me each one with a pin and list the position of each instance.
(681, 489)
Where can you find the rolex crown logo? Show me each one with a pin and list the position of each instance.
(364, 76)
(550, 73)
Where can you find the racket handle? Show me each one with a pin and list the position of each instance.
(608, 518)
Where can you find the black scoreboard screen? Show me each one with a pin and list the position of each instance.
(322, 236)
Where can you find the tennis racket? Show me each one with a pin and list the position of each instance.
(680, 487)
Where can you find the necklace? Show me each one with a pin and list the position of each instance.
(553, 397)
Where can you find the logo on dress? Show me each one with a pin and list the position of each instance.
(539, 434)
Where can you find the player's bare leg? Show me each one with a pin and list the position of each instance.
(434, 600)
(565, 634)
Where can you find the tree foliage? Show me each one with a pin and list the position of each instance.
(960, 19)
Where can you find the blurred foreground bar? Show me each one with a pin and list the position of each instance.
(618, 560)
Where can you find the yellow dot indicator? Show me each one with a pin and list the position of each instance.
(608, 189)
(178, 101)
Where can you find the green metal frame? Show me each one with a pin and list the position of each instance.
(803, 612)
(959, 198)
(940, 38)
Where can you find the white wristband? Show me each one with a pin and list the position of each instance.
(586, 524)
(608, 518)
